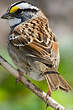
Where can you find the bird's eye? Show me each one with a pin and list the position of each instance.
(19, 11)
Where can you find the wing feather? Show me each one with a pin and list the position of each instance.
(38, 39)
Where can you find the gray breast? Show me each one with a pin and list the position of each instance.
(26, 64)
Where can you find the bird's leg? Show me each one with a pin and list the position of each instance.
(48, 94)
(49, 88)
(20, 74)
(49, 91)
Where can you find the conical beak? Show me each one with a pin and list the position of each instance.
(5, 16)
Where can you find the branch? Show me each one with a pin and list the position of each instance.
(50, 102)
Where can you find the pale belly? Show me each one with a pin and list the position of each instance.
(27, 65)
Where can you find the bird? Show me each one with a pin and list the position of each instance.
(32, 45)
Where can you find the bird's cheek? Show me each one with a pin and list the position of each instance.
(14, 21)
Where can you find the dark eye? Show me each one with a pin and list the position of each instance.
(19, 11)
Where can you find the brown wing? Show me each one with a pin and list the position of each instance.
(35, 36)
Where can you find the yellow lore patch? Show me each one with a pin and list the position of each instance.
(14, 9)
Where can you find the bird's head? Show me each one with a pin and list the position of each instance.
(20, 12)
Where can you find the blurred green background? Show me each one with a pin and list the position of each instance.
(15, 96)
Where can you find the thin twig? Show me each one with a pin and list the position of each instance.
(51, 102)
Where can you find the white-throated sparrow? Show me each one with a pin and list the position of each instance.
(32, 45)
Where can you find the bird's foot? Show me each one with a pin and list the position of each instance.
(20, 74)
(48, 95)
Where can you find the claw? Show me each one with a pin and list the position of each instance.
(20, 74)
(48, 94)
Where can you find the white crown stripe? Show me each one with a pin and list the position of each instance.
(26, 6)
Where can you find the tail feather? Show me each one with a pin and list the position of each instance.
(56, 81)
(63, 84)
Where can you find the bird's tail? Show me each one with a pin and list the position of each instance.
(56, 81)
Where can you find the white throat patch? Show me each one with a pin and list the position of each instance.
(13, 22)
